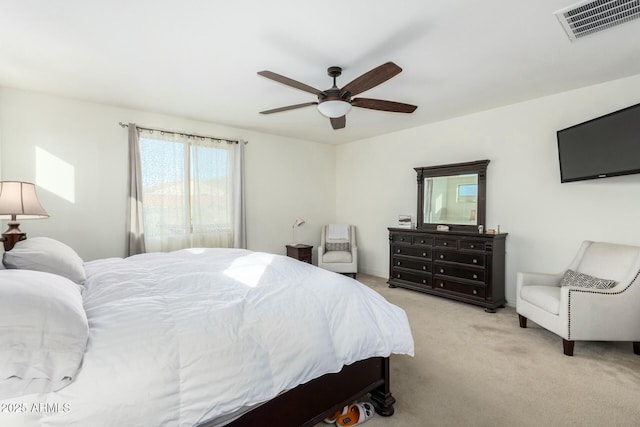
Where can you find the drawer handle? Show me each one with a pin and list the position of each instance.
(475, 261)
(399, 263)
(424, 267)
(441, 256)
(402, 239)
(475, 292)
(442, 270)
(472, 246)
(421, 241)
(424, 254)
(475, 276)
(424, 281)
(397, 250)
(398, 275)
(441, 285)
(445, 243)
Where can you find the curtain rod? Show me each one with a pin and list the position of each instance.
(188, 135)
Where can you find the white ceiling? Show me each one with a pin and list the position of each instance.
(199, 59)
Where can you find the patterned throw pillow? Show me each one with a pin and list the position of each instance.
(573, 278)
(337, 246)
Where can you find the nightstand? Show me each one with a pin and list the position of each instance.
(300, 252)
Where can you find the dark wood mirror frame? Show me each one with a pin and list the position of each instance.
(478, 167)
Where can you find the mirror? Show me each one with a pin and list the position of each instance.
(451, 199)
(453, 195)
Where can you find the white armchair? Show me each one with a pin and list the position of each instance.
(579, 313)
(338, 250)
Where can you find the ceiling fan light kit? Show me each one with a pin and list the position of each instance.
(334, 108)
(335, 103)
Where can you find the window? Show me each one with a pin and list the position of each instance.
(188, 191)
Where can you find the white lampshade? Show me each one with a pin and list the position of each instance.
(18, 200)
(299, 222)
(334, 108)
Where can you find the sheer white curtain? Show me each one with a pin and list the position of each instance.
(192, 192)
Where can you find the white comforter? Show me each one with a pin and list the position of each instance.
(180, 338)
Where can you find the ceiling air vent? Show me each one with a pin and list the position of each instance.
(588, 17)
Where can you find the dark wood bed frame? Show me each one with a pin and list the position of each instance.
(309, 403)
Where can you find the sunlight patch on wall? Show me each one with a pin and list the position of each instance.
(55, 175)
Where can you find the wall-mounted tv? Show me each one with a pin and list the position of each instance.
(603, 147)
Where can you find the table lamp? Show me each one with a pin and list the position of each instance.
(18, 200)
(299, 222)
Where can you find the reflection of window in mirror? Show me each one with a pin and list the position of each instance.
(467, 193)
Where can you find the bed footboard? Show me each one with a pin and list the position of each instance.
(310, 403)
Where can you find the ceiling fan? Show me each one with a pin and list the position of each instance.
(335, 103)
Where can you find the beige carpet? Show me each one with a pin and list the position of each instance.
(473, 368)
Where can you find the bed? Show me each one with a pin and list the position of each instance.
(197, 337)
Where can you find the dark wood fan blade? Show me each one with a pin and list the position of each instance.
(289, 82)
(382, 105)
(289, 107)
(371, 79)
(339, 122)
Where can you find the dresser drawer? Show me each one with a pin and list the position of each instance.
(423, 240)
(461, 288)
(473, 245)
(400, 238)
(477, 275)
(412, 251)
(415, 278)
(445, 242)
(462, 258)
(424, 266)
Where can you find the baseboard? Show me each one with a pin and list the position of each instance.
(383, 274)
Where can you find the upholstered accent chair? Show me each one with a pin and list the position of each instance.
(596, 299)
(338, 251)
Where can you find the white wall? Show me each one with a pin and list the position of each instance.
(77, 155)
(546, 220)
(367, 183)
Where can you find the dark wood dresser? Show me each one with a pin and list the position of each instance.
(461, 265)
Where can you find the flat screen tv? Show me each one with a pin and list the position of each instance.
(603, 147)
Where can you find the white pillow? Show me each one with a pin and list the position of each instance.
(45, 254)
(43, 332)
